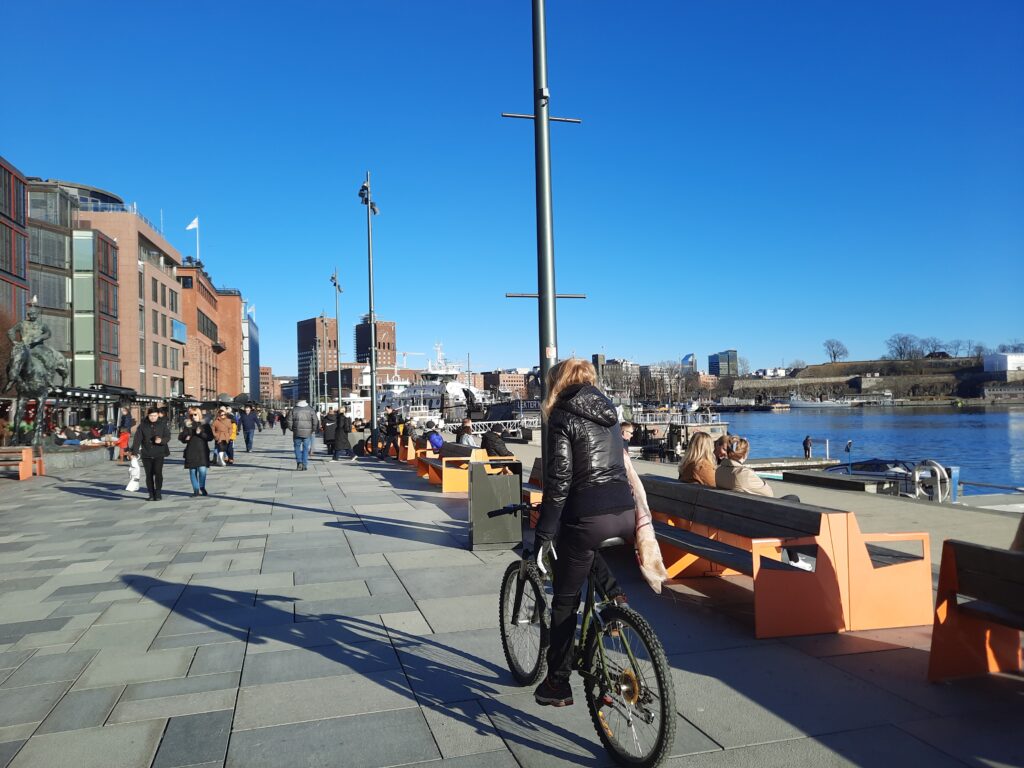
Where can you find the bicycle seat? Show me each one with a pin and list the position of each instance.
(615, 541)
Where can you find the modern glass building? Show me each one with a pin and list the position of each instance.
(53, 215)
(724, 364)
(96, 331)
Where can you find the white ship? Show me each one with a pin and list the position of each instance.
(439, 396)
(796, 401)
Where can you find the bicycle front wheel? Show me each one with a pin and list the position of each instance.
(629, 689)
(524, 621)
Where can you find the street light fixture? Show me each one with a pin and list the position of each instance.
(371, 211)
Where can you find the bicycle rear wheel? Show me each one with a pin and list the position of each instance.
(524, 632)
(629, 689)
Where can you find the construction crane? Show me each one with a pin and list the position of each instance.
(405, 359)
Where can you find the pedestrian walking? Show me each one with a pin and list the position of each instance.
(808, 445)
(282, 419)
(151, 445)
(390, 433)
(250, 421)
(342, 443)
(222, 427)
(329, 426)
(125, 420)
(196, 435)
(303, 422)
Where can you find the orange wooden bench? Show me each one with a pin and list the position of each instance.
(24, 459)
(450, 468)
(839, 585)
(981, 634)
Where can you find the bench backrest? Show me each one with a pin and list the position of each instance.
(740, 513)
(537, 473)
(454, 450)
(990, 574)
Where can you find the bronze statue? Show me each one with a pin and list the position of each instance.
(33, 368)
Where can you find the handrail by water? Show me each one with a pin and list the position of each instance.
(1013, 488)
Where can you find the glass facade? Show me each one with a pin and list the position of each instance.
(50, 289)
(53, 206)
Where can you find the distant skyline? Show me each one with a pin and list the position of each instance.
(748, 176)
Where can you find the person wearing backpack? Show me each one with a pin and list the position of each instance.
(303, 422)
(433, 437)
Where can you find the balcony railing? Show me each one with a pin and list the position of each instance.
(98, 207)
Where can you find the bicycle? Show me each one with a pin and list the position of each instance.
(627, 682)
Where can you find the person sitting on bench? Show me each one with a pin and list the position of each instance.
(698, 465)
(493, 443)
(733, 475)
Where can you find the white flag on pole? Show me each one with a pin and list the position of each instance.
(194, 224)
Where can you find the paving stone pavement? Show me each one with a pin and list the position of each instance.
(335, 617)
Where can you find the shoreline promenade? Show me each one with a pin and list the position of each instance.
(335, 617)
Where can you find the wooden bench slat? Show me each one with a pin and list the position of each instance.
(713, 518)
(993, 612)
(716, 551)
(990, 574)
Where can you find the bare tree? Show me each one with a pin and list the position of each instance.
(836, 350)
(742, 366)
(903, 346)
(955, 347)
(931, 344)
(979, 350)
(797, 364)
(1014, 346)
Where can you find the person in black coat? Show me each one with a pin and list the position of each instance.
(342, 443)
(390, 431)
(330, 428)
(493, 443)
(151, 444)
(587, 499)
(196, 435)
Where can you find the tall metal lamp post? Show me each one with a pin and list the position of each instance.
(371, 211)
(337, 332)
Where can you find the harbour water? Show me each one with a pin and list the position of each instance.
(987, 444)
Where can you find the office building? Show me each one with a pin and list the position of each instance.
(150, 321)
(96, 331)
(316, 346)
(266, 389)
(724, 364)
(387, 343)
(203, 348)
(512, 382)
(250, 352)
(52, 216)
(230, 319)
(13, 244)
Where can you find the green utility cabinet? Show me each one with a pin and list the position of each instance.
(489, 526)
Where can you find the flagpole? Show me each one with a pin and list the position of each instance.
(197, 238)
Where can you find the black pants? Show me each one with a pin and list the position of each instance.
(389, 440)
(576, 548)
(154, 474)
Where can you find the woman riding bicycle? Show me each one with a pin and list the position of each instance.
(587, 499)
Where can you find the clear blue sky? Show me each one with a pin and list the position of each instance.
(749, 175)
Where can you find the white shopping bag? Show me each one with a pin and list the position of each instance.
(134, 473)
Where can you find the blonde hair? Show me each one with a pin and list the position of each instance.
(701, 448)
(738, 448)
(566, 374)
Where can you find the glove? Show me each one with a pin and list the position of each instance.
(544, 547)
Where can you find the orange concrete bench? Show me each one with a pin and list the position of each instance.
(981, 634)
(711, 532)
(23, 459)
(533, 489)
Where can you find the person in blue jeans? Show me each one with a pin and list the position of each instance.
(303, 421)
(249, 421)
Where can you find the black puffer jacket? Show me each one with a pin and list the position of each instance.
(585, 473)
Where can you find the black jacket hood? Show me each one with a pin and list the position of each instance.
(588, 402)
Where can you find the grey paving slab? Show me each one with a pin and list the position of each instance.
(375, 740)
(986, 739)
(322, 661)
(180, 686)
(462, 728)
(332, 573)
(135, 635)
(192, 640)
(310, 634)
(120, 667)
(502, 759)
(904, 672)
(173, 706)
(29, 705)
(772, 692)
(195, 740)
(50, 669)
(222, 657)
(454, 614)
(837, 645)
(322, 610)
(8, 750)
(325, 697)
(14, 659)
(460, 581)
(82, 709)
(10, 633)
(120, 613)
(115, 746)
(430, 558)
(879, 747)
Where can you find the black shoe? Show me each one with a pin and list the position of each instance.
(195, 493)
(203, 491)
(552, 694)
(298, 467)
(159, 496)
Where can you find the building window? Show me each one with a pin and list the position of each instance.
(156, 354)
(156, 327)
(142, 287)
(50, 248)
(163, 355)
(163, 295)
(172, 358)
(163, 326)
(206, 326)
(173, 300)
(153, 288)
(186, 282)
(52, 290)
